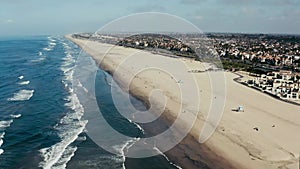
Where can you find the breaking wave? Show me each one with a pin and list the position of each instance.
(22, 95)
(24, 83)
(70, 126)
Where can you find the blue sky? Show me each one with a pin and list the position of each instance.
(36, 17)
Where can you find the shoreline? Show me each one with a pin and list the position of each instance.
(175, 154)
(223, 150)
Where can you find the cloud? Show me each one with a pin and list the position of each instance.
(8, 21)
(191, 2)
(260, 2)
(284, 2)
(236, 2)
(149, 8)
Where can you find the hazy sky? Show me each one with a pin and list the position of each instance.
(35, 17)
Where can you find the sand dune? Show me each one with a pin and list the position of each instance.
(265, 135)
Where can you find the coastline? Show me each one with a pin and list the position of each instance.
(234, 144)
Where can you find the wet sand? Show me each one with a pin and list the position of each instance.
(265, 135)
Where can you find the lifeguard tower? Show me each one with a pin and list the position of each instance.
(240, 109)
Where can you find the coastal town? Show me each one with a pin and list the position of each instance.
(174, 84)
(283, 84)
(272, 62)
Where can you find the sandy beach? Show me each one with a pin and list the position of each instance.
(265, 135)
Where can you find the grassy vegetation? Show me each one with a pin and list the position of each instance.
(228, 64)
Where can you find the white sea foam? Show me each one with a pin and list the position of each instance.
(22, 95)
(52, 44)
(24, 83)
(39, 59)
(47, 49)
(1, 140)
(40, 53)
(66, 157)
(161, 153)
(69, 127)
(66, 70)
(21, 77)
(80, 85)
(137, 125)
(15, 116)
(51, 39)
(123, 149)
(2, 135)
(83, 138)
(5, 124)
(66, 46)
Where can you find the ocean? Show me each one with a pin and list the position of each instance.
(41, 115)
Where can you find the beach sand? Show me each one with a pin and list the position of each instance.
(265, 135)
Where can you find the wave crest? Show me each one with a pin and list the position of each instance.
(24, 83)
(22, 95)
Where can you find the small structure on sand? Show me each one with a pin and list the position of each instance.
(240, 109)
